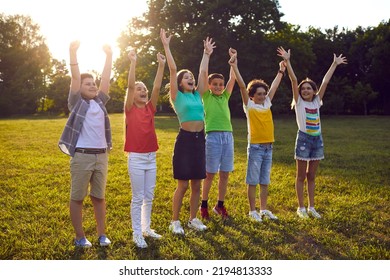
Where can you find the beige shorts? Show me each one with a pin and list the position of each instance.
(88, 169)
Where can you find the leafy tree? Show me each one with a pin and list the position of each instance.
(238, 24)
(370, 56)
(360, 97)
(58, 89)
(24, 63)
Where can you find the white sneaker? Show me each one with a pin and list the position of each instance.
(268, 214)
(302, 213)
(139, 241)
(104, 241)
(255, 216)
(313, 213)
(196, 224)
(151, 233)
(176, 227)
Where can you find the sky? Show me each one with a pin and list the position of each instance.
(95, 22)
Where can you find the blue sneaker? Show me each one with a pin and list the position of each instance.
(104, 241)
(82, 242)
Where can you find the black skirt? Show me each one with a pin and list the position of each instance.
(189, 156)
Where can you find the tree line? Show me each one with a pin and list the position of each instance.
(32, 81)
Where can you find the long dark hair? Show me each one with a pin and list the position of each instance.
(311, 83)
(180, 76)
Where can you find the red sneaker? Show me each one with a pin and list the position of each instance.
(221, 211)
(204, 213)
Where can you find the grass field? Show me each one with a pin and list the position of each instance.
(353, 194)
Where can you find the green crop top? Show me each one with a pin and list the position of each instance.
(189, 107)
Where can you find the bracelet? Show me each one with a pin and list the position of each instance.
(73, 64)
(281, 72)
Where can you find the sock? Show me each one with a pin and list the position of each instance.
(220, 204)
(204, 204)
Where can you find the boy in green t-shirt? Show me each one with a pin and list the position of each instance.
(219, 139)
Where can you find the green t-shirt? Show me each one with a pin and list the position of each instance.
(217, 112)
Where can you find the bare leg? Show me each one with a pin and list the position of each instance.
(252, 197)
(300, 181)
(311, 175)
(263, 197)
(207, 183)
(99, 207)
(222, 185)
(76, 216)
(182, 186)
(194, 199)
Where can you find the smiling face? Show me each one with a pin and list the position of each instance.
(88, 88)
(257, 91)
(216, 84)
(307, 90)
(140, 94)
(186, 81)
(259, 95)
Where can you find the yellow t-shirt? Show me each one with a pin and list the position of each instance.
(260, 122)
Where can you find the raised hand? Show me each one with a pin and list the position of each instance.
(339, 59)
(164, 39)
(209, 46)
(74, 46)
(107, 49)
(232, 52)
(161, 58)
(282, 66)
(283, 53)
(132, 55)
(233, 60)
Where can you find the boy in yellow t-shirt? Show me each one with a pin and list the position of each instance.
(256, 98)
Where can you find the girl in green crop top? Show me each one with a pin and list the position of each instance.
(189, 151)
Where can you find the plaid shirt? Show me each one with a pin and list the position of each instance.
(79, 107)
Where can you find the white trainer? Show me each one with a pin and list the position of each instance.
(139, 241)
(255, 216)
(268, 214)
(196, 224)
(176, 227)
(302, 213)
(151, 233)
(312, 212)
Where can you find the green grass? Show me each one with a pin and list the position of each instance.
(353, 191)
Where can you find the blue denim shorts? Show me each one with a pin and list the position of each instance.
(219, 151)
(308, 147)
(259, 164)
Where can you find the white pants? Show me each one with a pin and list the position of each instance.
(142, 171)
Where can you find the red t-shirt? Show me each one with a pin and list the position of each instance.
(140, 132)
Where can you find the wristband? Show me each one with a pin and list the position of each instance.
(73, 64)
(281, 72)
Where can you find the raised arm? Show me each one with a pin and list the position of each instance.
(337, 60)
(209, 46)
(131, 80)
(75, 82)
(171, 64)
(106, 74)
(276, 82)
(158, 79)
(244, 93)
(232, 77)
(294, 82)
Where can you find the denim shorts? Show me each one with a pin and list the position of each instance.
(219, 151)
(308, 147)
(259, 164)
